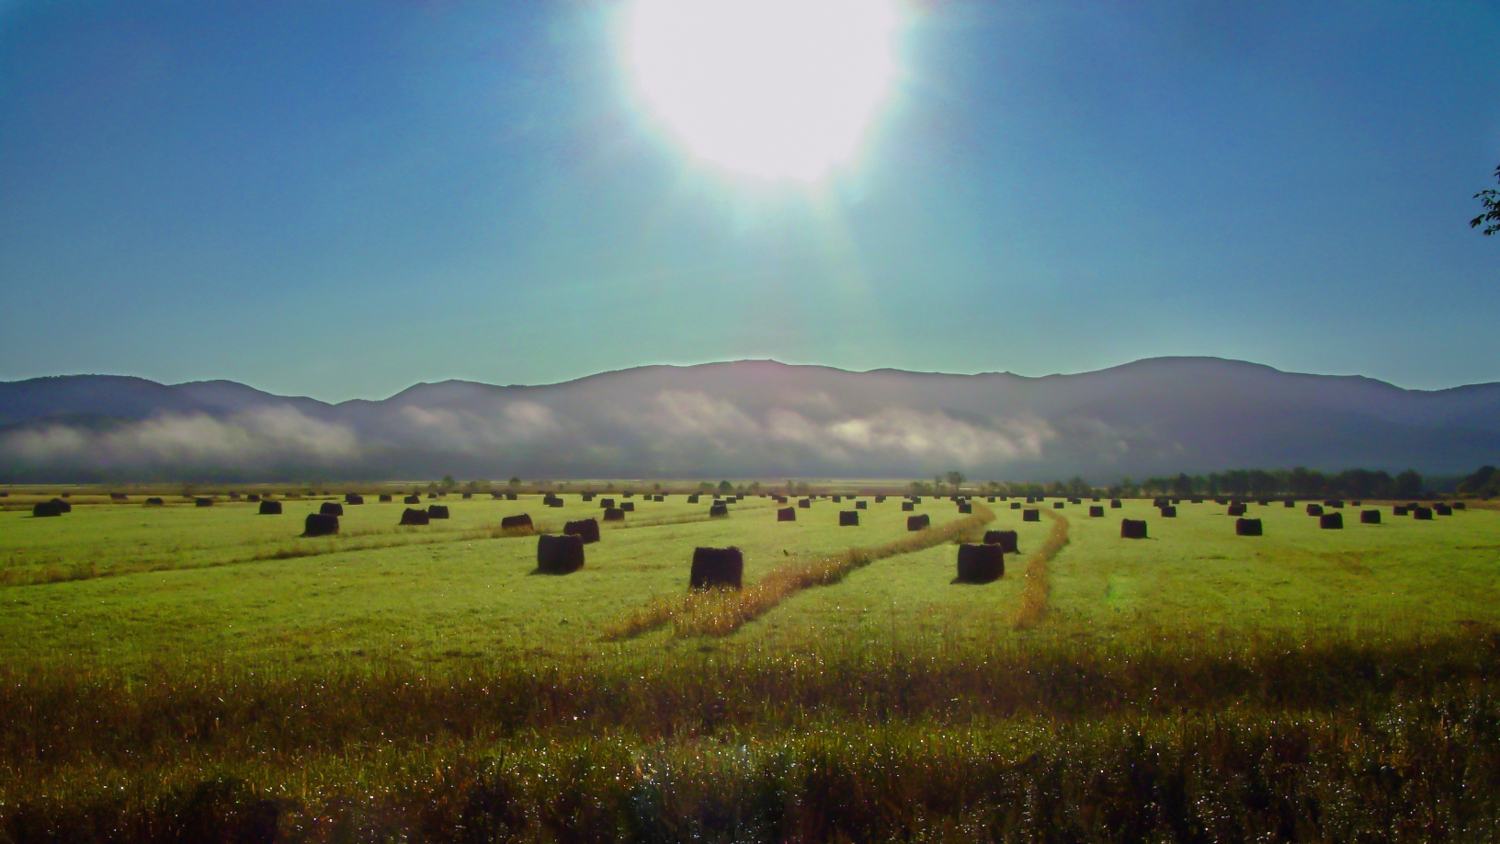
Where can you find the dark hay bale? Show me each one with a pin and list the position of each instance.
(917, 522)
(432, 495)
(966, 508)
(44, 509)
(1031, 514)
(466, 496)
(1008, 540)
(1247, 527)
(1460, 505)
(203, 502)
(606, 503)
(991, 500)
(1114, 504)
(1221, 501)
(1015, 505)
(385, 499)
(1442, 509)
(1421, 514)
(1075, 500)
(1168, 512)
(412, 516)
(1314, 510)
(719, 502)
(628, 506)
(521, 522)
(320, 524)
(880, 499)
(118, 496)
(551, 500)
(980, 563)
(718, 510)
(786, 514)
(614, 514)
(1356, 503)
(1030, 500)
(1334, 503)
(1398, 510)
(1164, 502)
(838, 499)
(1289, 504)
(1236, 509)
(331, 508)
(353, 498)
(556, 502)
(805, 504)
(155, 502)
(588, 496)
(628, 494)
(860, 505)
(1331, 521)
(660, 498)
(252, 498)
(62, 506)
(848, 518)
(412, 499)
(1057, 505)
(1133, 528)
(693, 499)
(1369, 517)
(437, 511)
(559, 554)
(716, 567)
(1096, 512)
(916, 499)
(1195, 501)
(270, 508)
(511, 496)
(908, 507)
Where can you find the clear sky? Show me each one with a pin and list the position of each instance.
(341, 198)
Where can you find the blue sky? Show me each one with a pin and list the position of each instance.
(340, 199)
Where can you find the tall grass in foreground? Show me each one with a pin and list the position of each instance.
(1036, 592)
(720, 612)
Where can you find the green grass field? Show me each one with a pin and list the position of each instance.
(203, 669)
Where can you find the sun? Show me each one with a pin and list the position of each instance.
(775, 89)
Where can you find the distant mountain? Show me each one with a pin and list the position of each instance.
(758, 419)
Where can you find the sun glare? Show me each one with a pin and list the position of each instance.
(776, 89)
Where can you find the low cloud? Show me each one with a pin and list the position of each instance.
(466, 431)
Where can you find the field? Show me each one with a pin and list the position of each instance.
(202, 673)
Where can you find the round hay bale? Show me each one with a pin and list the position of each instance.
(252, 497)
(1133, 528)
(412, 516)
(908, 507)
(466, 496)
(521, 522)
(1369, 517)
(860, 505)
(693, 499)
(1031, 514)
(1314, 510)
(916, 499)
(511, 496)
(385, 499)
(556, 502)
(1398, 510)
(1008, 540)
(432, 495)
(1289, 504)
(980, 563)
(805, 504)
(606, 503)
(353, 498)
(320, 524)
(203, 502)
(628, 506)
(62, 506)
(628, 494)
(966, 508)
(1331, 521)
(1421, 514)
(660, 498)
(1015, 505)
(838, 499)
(1057, 505)
(1168, 512)
(155, 502)
(1195, 501)
(720, 510)
(1115, 504)
(1356, 503)
(1030, 500)
(786, 514)
(719, 502)
(848, 518)
(1334, 503)
(437, 511)
(270, 508)
(412, 499)
(1247, 527)
(1460, 505)
(45, 509)
(559, 554)
(1442, 509)
(917, 522)
(331, 508)
(716, 567)
(588, 496)
(614, 514)
(880, 499)
(1096, 512)
(1236, 509)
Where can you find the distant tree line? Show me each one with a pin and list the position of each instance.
(1485, 482)
(1299, 482)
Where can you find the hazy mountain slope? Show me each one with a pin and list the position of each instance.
(760, 419)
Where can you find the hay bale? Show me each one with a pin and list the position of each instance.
(432, 495)
(917, 522)
(1096, 512)
(908, 507)
(412, 499)
(1264, 502)
(412, 516)
(1398, 510)
(587, 496)
(719, 502)
(1133, 528)
(1247, 527)
(118, 496)
(1334, 503)
(786, 514)
(203, 502)
(1460, 505)
(331, 508)
(320, 524)
(1115, 504)
(1314, 510)
(437, 511)
(270, 508)
(628, 506)
(1031, 514)
(521, 522)
(660, 498)
(385, 499)
(966, 508)
(1057, 505)
(1195, 501)
(716, 567)
(606, 503)
(556, 502)
(860, 505)
(1236, 509)
(980, 563)
(880, 499)
(559, 554)
(1221, 501)
(720, 510)
(1421, 514)
(628, 494)
(62, 506)
(353, 498)
(1075, 500)
(1168, 512)
(614, 514)
(1015, 505)
(1369, 517)
(466, 496)
(838, 499)
(511, 496)
(848, 518)
(155, 502)
(252, 498)
(45, 509)
(1008, 540)
(693, 499)
(1289, 504)
(805, 504)
(1030, 500)
(1331, 521)
(1442, 509)
(1356, 503)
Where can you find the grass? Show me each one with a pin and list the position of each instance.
(1197, 686)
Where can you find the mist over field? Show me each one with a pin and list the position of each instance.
(752, 419)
